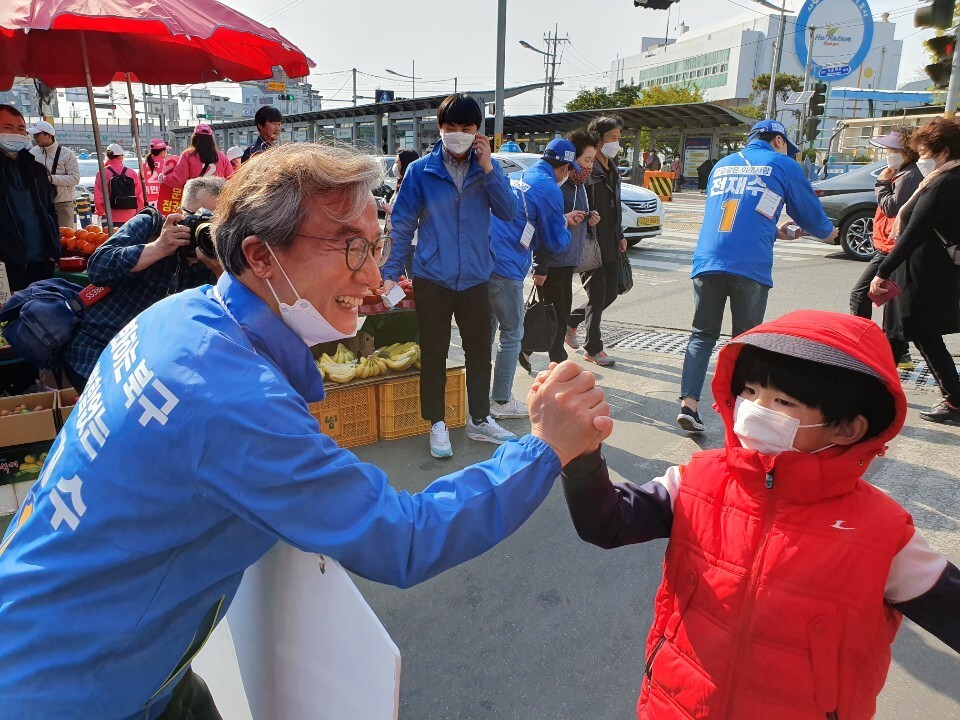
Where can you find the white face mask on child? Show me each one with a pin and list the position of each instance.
(767, 431)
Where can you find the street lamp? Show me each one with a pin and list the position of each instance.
(546, 76)
(412, 76)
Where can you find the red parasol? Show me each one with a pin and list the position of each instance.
(66, 43)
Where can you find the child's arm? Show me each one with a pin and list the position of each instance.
(610, 514)
(925, 587)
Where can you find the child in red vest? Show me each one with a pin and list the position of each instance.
(787, 574)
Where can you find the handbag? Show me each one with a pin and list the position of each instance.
(591, 258)
(539, 323)
(624, 274)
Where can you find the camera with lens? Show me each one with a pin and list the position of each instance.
(200, 224)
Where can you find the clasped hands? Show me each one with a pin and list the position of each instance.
(568, 411)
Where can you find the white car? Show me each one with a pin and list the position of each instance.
(642, 209)
(88, 175)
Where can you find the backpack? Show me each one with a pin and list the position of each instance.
(122, 191)
(43, 318)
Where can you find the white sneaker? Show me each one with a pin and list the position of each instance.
(440, 441)
(488, 431)
(512, 408)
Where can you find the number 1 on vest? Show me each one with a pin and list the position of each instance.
(729, 215)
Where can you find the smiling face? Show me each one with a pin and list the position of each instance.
(270, 131)
(586, 160)
(316, 268)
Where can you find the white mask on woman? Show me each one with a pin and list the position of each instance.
(926, 166)
(457, 143)
(895, 161)
(764, 430)
(610, 149)
(302, 317)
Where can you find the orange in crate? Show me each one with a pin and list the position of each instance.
(399, 402)
(93, 228)
(348, 415)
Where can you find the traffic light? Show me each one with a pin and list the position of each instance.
(941, 48)
(815, 111)
(202, 116)
(654, 4)
(938, 14)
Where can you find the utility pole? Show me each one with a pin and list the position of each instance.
(775, 65)
(501, 71)
(552, 60)
(806, 83)
(950, 107)
(354, 87)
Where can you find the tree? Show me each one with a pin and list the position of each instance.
(634, 96)
(784, 85)
(751, 111)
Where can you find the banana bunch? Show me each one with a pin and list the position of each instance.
(323, 372)
(400, 356)
(369, 367)
(342, 355)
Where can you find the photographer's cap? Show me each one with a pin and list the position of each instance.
(774, 126)
(42, 126)
(563, 150)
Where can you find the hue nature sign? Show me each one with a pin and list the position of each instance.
(842, 39)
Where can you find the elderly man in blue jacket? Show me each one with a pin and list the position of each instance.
(447, 199)
(541, 225)
(192, 451)
(746, 193)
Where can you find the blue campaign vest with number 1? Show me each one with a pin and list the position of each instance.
(746, 193)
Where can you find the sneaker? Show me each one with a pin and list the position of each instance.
(440, 441)
(512, 408)
(571, 338)
(942, 412)
(689, 420)
(488, 431)
(525, 362)
(601, 359)
(906, 363)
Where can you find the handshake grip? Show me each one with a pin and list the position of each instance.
(568, 411)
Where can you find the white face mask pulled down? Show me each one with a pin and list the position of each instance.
(14, 143)
(457, 143)
(303, 318)
(767, 431)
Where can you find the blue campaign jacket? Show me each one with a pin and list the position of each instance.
(453, 227)
(190, 453)
(574, 198)
(734, 237)
(544, 210)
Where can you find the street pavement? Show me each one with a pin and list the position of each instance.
(546, 626)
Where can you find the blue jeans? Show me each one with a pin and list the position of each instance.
(748, 302)
(506, 303)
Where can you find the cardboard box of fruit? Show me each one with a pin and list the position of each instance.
(66, 400)
(27, 419)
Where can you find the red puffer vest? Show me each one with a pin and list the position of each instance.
(771, 603)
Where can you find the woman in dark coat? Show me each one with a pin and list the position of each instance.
(923, 264)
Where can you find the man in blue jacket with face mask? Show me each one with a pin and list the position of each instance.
(540, 225)
(447, 200)
(746, 193)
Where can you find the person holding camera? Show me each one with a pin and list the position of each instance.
(195, 453)
(147, 259)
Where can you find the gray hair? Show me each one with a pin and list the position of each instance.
(210, 185)
(268, 196)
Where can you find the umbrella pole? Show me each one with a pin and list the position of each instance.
(136, 136)
(96, 132)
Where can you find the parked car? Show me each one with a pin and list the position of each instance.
(642, 209)
(88, 174)
(850, 202)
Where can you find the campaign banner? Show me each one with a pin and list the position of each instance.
(168, 198)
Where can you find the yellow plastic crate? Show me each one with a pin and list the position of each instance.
(348, 415)
(399, 402)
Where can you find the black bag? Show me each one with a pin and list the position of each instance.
(539, 324)
(624, 274)
(123, 194)
(53, 171)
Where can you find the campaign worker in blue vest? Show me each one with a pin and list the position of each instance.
(192, 451)
(447, 199)
(541, 224)
(746, 193)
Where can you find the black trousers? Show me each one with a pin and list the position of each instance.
(78, 381)
(558, 291)
(21, 277)
(436, 306)
(191, 700)
(944, 371)
(862, 306)
(602, 289)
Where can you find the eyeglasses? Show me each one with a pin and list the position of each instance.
(357, 249)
